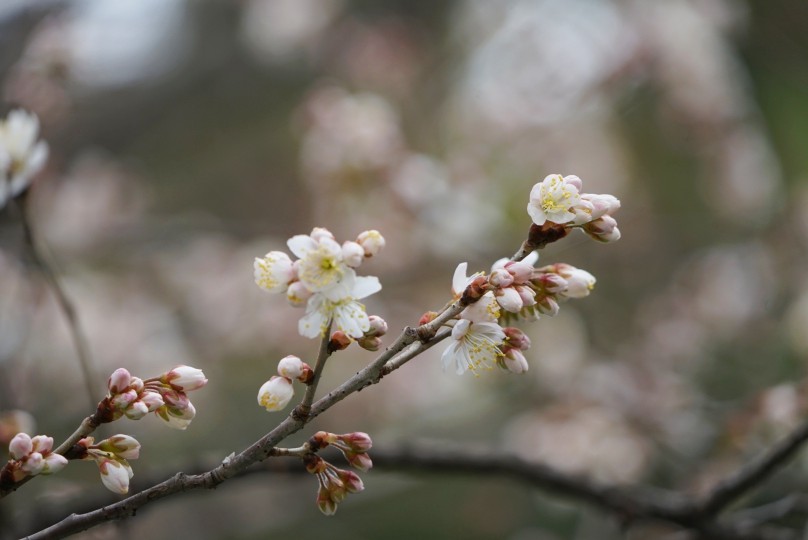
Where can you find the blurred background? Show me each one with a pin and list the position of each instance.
(188, 137)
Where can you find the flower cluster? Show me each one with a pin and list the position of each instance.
(21, 155)
(111, 456)
(558, 200)
(335, 483)
(276, 393)
(324, 279)
(517, 288)
(32, 456)
(166, 395)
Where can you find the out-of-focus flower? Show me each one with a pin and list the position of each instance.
(276, 393)
(21, 155)
(13, 422)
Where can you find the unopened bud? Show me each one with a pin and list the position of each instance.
(602, 204)
(119, 381)
(298, 294)
(276, 393)
(372, 343)
(320, 233)
(378, 326)
(520, 270)
(500, 278)
(371, 241)
(509, 299)
(516, 338)
(353, 254)
(290, 367)
(427, 317)
(515, 361)
(357, 441)
(603, 229)
(547, 305)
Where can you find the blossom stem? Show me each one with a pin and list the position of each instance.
(304, 408)
(67, 306)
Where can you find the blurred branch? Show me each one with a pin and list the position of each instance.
(755, 472)
(65, 303)
(629, 505)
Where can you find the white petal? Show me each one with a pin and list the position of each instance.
(459, 280)
(301, 244)
(364, 286)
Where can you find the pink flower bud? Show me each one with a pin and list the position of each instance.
(351, 481)
(550, 282)
(42, 444)
(500, 278)
(324, 502)
(290, 367)
(353, 254)
(371, 241)
(122, 446)
(520, 270)
(138, 410)
(603, 229)
(124, 399)
(574, 181)
(515, 338)
(20, 446)
(527, 294)
(378, 326)
(297, 294)
(152, 400)
(185, 378)
(33, 464)
(509, 299)
(357, 441)
(360, 461)
(602, 204)
(275, 394)
(115, 475)
(119, 381)
(54, 463)
(547, 305)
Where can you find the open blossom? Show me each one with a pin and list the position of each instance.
(21, 155)
(474, 345)
(554, 199)
(348, 313)
(324, 280)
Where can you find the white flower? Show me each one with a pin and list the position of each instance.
(348, 314)
(486, 309)
(321, 266)
(474, 345)
(21, 156)
(274, 271)
(276, 393)
(553, 199)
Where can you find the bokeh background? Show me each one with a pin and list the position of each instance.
(189, 136)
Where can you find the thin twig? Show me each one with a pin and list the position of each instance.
(308, 398)
(754, 472)
(65, 303)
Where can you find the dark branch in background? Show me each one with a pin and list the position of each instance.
(65, 303)
(628, 505)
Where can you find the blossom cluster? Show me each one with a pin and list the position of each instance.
(31, 456)
(335, 483)
(21, 155)
(276, 393)
(558, 200)
(166, 395)
(518, 289)
(323, 279)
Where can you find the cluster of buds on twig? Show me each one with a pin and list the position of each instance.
(21, 155)
(111, 456)
(276, 393)
(324, 280)
(30, 456)
(165, 395)
(371, 340)
(335, 483)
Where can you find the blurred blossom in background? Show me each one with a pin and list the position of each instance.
(188, 137)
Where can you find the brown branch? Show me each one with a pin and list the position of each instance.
(754, 472)
(304, 408)
(66, 305)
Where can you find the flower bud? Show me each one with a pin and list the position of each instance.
(20, 446)
(185, 378)
(516, 338)
(602, 204)
(290, 367)
(324, 502)
(547, 305)
(520, 270)
(500, 278)
(115, 475)
(371, 241)
(509, 299)
(550, 282)
(378, 326)
(351, 481)
(372, 343)
(357, 441)
(427, 317)
(276, 393)
(603, 229)
(298, 294)
(352, 254)
(137, 410)
(152, 400)
(119, 381)
(527, 294)
(321, 233)
(515, 361)
(122, 446)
